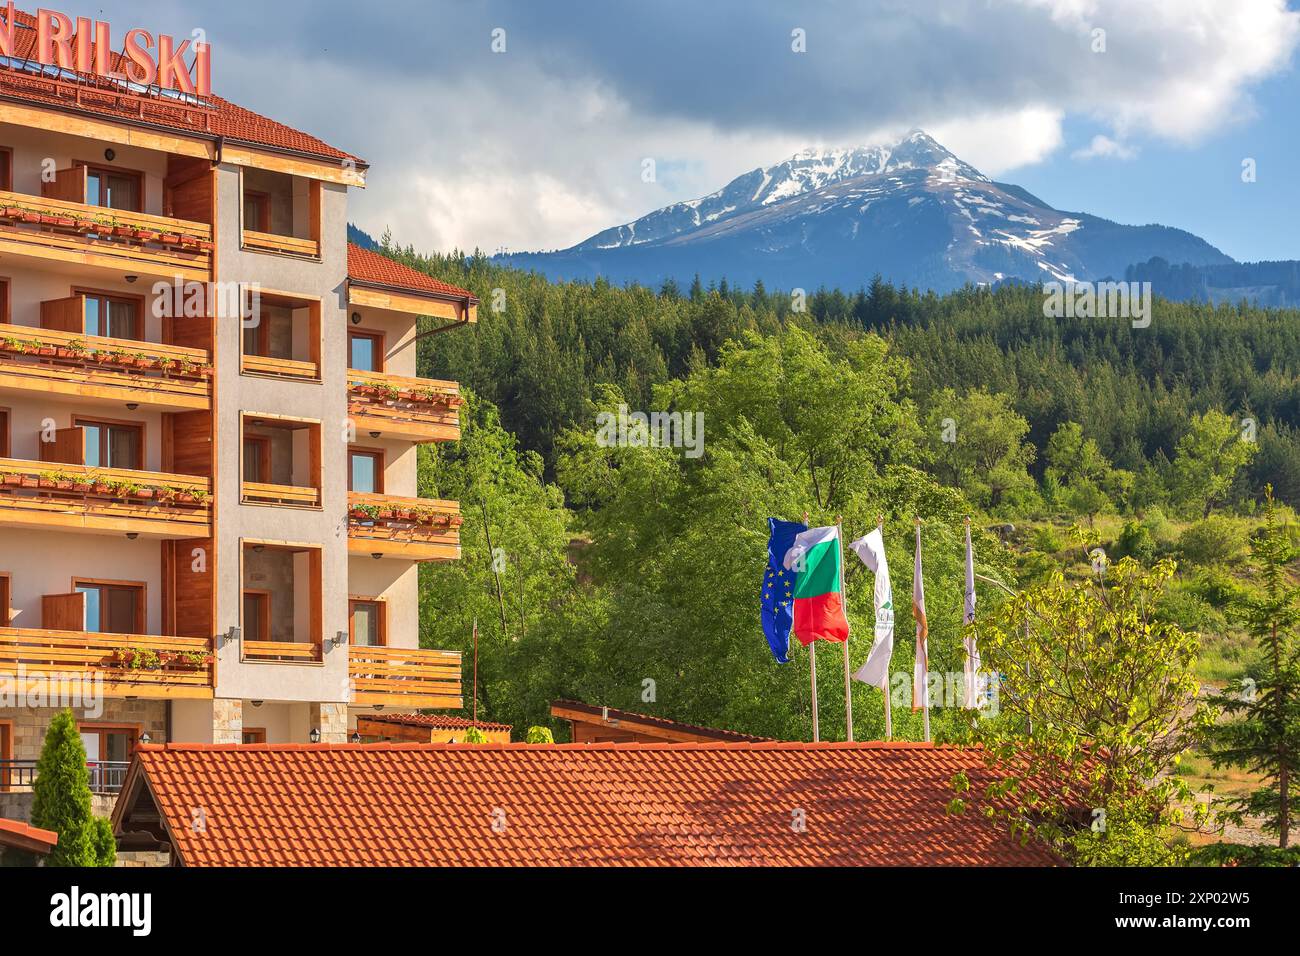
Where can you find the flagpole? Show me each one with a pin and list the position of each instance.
(889, 719)
(812, 673)
(844, 596)
(925, 650)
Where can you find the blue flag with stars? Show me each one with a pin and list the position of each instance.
(778, 587)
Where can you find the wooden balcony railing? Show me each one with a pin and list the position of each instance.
(92, 366)
(284, 368)
(418, 529)
(82, 234)
(417, 409)
(263, 493)
(400, 677)
(281, 651)
(52, 495)
(130, 665)
(281, 245)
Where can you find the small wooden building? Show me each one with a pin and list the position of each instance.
(426, 729)
(609, 725)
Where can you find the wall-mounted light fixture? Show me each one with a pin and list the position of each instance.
(110, 155)
(356, 318)
(145, 738)
(131, 278)
(132, 535)
(339, 638)
(356, 736)
(229, 637)
(314, 736)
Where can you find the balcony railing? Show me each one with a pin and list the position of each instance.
(106, 776)
(279, 367)
(285, 651)
(417, 409)
(92, 366)
(418, 529)
(52, 495)
(130, 665)
(281, 245)
(401, 677)
(82, 234)
(260, 492)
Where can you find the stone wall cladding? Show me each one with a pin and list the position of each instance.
(29, 724)
(227, 721)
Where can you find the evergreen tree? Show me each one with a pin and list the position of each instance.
(61, 793)
(1266, 736)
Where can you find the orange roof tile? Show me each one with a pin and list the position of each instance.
(16, 833)
(228, 120)
(368, 267)
(566, 804)
(648, 723)
(439, 721)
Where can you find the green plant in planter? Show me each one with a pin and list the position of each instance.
(366, 511)
(77, 347)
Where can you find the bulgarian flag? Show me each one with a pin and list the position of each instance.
(819, 587)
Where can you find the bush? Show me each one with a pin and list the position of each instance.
(1046, 540)
(1135, 541)
(475, 736)
(1161, 529)
(1181, 606)
(1215, 541)
(539, 735)
(103, 845)
(61, 793)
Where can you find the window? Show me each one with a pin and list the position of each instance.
(257, 615)
(112, 607)
(366, 623)
(365, 351)
(4, 433)
(366, 471)
(257, 338)
(257, 459)
(4, 600)
(254, 735)
(257, 211)
(112, 316)
(113, 444)
(108, 751)
(6, 169)
(113, 189)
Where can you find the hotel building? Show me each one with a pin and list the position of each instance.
(209, 419)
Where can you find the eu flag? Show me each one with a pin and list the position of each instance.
(778, 587)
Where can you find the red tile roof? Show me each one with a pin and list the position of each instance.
(227, 120)
(24, 836)
(648, 724)
(437, 721)
(368, 267)
(565, 804)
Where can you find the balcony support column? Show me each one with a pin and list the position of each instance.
(227, 720)
(331, 719)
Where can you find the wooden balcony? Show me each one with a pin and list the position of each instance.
(62, 497)
(417, 529)
(130, 665)
(400, 677)
(170, 377)
(282, 651)
(82, 235)
(260, 492)
(281, 245)
(415, 409)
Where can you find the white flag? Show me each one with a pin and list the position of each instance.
(871, 549)
(921, 664)
(972, 667)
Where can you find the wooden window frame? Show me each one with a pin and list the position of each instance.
(6, 428)
(314, 462)
(381, 463)
(138, 300)
(6, 750)
(259, 733)
(5, 300)
(141, 599)
(381, 631)
(264, 456)
(7, 172)
(132, 732)
(80, 421)
(6, 598)
(263, 199)
(380, 347)
(315, 332)
(264, 611)
(137, 174)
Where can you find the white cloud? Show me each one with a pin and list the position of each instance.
(1103, 147)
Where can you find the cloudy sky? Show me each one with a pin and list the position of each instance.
(1137, 110)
